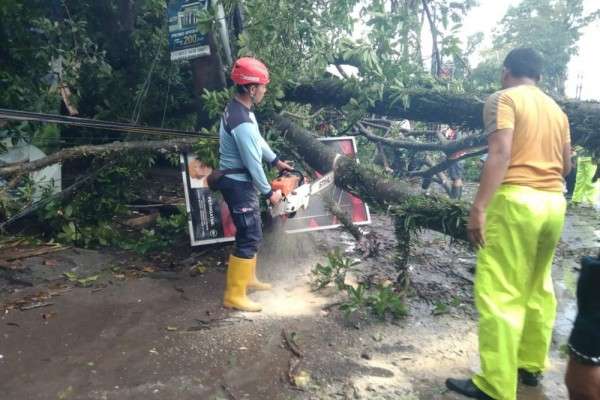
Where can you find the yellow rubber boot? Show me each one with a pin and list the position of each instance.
(239, 274)
(255, 283)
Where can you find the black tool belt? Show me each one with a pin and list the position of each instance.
(215, 177)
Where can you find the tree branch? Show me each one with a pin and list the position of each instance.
(381, 124)
(450, 147)
(444, 165)
(304, 117)
(341, 71)
(103, 150)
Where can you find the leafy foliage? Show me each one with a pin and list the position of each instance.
(356, 300)
(167, 232)
(208, 152)
(333, 272)
(111, 55)
(381, 302)
(420, 211)
(86, 219)
(385, 301)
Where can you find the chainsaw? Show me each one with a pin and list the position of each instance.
(296, 190)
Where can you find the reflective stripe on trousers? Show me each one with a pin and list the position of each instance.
(513, 286)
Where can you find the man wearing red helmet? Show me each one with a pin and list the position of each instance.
(242, 150)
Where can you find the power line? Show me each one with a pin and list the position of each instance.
(16, 115)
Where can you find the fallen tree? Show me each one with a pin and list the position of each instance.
(373, 186)
(464, 110)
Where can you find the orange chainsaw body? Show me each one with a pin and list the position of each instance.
(287, 183)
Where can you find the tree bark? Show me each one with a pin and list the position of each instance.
(464, 110)
(436, 61)
(103, 150)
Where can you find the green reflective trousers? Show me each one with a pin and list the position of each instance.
(514, 294)
(585, 190)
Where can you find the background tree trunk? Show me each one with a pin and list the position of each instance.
(208, 73)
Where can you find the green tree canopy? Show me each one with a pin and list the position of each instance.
(553, 27)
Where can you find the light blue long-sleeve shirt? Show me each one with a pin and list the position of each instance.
(242, 146)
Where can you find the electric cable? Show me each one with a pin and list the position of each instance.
(16, 115)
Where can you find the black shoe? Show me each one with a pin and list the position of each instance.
(529, 378)
(466, 387)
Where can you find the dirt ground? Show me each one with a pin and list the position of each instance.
(148, 329)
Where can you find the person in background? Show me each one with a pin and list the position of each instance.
(571, 178)
(515, 223)
(583, 371)
(585, 190)
(456, 169)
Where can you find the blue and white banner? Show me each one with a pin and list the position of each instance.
(185, 39)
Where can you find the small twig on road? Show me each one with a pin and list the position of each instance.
(35, 305)
(33, 252)
(291, 344)
(215, 323)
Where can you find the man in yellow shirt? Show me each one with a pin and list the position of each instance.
(515, 222)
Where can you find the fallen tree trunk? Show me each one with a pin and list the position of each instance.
(371, 185)
(102, 149)
(463, 110)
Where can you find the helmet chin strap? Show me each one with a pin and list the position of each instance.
(252, 96)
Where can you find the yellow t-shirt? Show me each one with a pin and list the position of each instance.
(541, 129)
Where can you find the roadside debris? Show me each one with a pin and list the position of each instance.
(35, 305)
(216, 322)
(35, 300)
(80, 281)
(299, 379)
(14, 250)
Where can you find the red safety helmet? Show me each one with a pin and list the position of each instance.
(247, 70)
